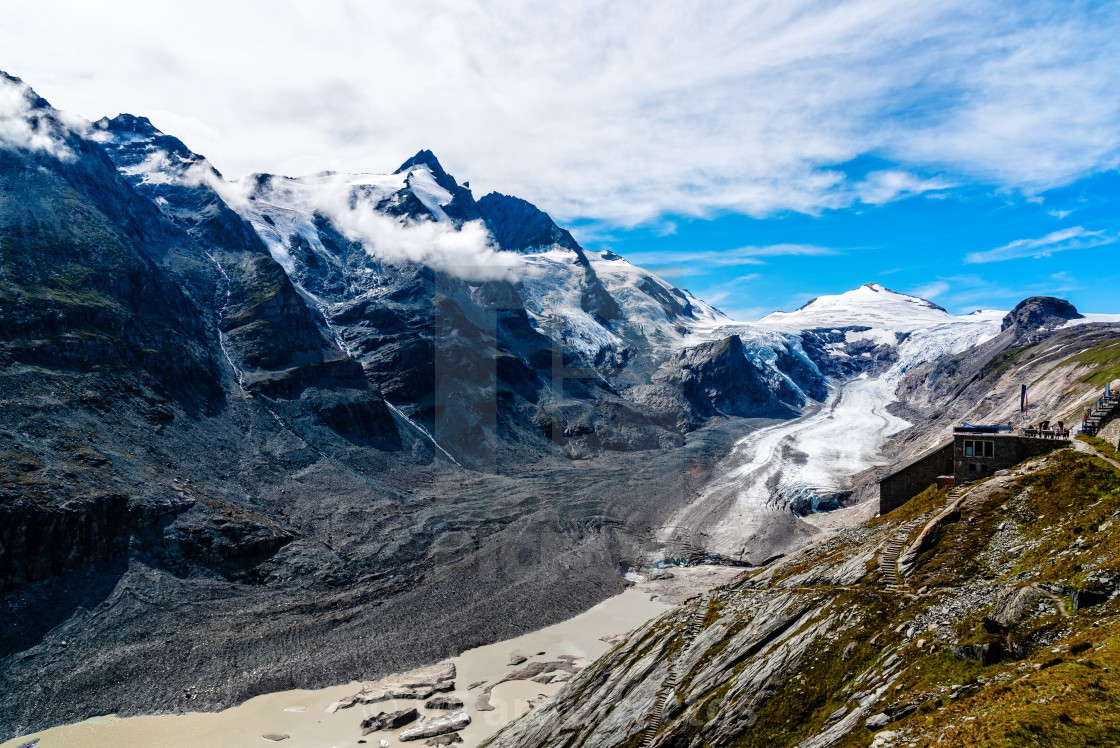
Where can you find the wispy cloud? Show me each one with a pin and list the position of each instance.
(750, 255)
(729, 295)
(1062, 240)
(885, 186)
(621, 112)
(931, 290)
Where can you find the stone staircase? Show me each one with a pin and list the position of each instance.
(888, 559)
(1098, 414)
(669, 687)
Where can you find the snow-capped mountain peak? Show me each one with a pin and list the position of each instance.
(871, 305)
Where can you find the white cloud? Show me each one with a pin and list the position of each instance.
(466, 251)
(1056, 241)
(620, 112)
(881, 187)
(27, 128)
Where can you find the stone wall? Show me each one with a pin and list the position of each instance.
(987, 454)
(901, 486)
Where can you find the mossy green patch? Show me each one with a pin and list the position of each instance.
(1065, 700)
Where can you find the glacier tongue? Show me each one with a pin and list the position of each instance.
(798, 466)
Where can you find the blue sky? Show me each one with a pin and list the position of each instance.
(759, 152)
(966, 247)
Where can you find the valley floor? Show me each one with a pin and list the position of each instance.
(302, 715)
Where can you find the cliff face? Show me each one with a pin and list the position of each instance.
(1006, 600)
(718, 378)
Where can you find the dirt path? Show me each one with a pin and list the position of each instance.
(1088, 448)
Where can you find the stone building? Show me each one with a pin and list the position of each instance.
(972, 453)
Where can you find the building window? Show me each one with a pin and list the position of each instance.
(973, 448)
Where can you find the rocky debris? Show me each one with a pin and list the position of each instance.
(275, 737)
(421, 683)
(431, 727)
(444, 702)
(389, 720)
(517, 659)
(443, 740)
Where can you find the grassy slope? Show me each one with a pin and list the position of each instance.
(1066, 692)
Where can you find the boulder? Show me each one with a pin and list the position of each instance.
(444, 702)
(985, 654)
(878, 720)
(442, 740)
(884, 738)
(1087, 598)
(421, 683)
(1011, 606)
(389, 720)
(434, 726)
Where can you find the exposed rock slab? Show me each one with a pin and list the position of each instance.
(421, 683)
(435, 726)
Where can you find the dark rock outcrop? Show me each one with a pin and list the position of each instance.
(1040, 313)
(444, 702)
(718, 378)
(389, 720)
